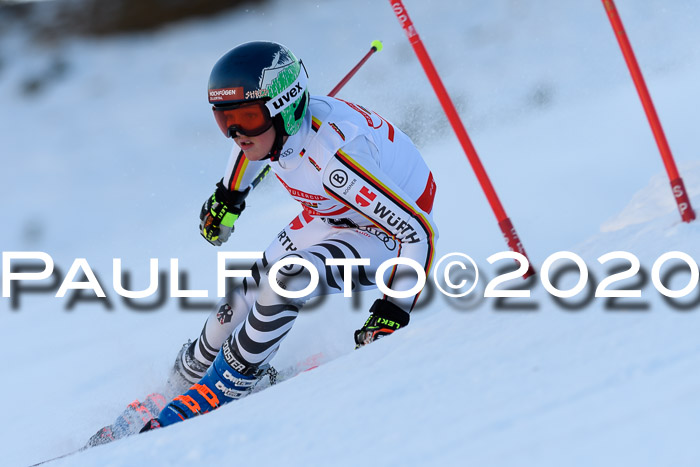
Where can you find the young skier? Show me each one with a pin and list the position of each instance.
(365, 192)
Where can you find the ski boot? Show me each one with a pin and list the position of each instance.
(227, 379)
(186, 371)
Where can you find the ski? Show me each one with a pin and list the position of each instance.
(58, 457)
(275, 377)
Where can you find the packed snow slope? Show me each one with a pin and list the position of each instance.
(113, 154)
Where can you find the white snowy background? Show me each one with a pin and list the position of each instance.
(113, 157)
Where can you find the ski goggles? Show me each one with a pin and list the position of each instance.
(248, 119)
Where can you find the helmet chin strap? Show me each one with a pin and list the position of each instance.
(274, 154)
(280, 132)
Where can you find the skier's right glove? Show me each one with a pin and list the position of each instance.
(385, 318)
(220, 212)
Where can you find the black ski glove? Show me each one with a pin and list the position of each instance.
(220, 212)
(385, 318)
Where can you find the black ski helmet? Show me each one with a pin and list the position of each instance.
(265, 71)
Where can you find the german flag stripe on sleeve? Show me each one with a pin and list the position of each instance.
(238, 171)
(315, 124)
(356, 168)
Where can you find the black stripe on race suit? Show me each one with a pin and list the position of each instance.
(208, 346)
(205, 353)
(361, 271)
(243, 341)
(336, 253)
(330, 280)
(204, 347)
(255, 274)
(272, 310)
(268, 326)
(246, 343)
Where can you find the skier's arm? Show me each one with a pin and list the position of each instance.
(240, 172)
(355, 179)
(222, 209)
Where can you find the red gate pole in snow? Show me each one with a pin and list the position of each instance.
(503, 221)
(679, 191)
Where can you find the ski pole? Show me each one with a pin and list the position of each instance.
(504, 222)
(259, 178)
(376, 47)
(679, 191)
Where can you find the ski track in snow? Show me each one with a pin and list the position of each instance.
(132, 151)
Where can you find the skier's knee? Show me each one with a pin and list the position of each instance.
(298, 273)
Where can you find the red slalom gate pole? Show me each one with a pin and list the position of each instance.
(504, 222)
(376, 47)
(677, 186)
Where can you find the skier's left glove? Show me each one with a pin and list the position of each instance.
(220, 212)
(385, 318)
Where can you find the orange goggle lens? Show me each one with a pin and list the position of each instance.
(248, 119)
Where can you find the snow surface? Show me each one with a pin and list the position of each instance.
(113, 157)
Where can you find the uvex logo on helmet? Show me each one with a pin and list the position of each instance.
(288, 96)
